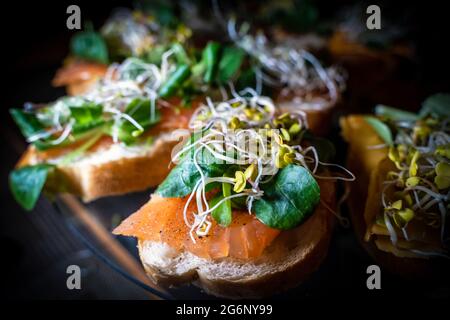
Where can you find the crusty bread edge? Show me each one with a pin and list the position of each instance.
(253, 287)
(91, 181)
(264, 286)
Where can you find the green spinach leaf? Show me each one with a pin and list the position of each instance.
(288, 199)
(437, 105)
(395, 114)
(26, 184)
(89, 45)
(141, 111)
(222, 214)
(381, 128)
(182, 179)
(230, 63)
(27, 122)
(86, 113)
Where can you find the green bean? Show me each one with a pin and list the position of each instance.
(175, 81)
(211, 59)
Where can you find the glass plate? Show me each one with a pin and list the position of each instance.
(342, 272)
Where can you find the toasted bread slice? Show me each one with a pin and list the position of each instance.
(109, 171)
(109, 168)
(287, 262)
(319, 118)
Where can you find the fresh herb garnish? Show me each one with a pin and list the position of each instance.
(89, 45)
(210, 59)
(182, 180)
(143, 113)
(417, 179)
(222, 214)
(288, 199)
(175, 81)
(382, 129)
(437, 105)
(394, 113)
(26, 183)
(230, 63)
(27, 122)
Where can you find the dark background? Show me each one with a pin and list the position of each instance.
(36, 246)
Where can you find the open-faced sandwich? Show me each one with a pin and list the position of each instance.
(297, 77)
(125, 34)
(248, 209)
(401, 161)
(117, 136)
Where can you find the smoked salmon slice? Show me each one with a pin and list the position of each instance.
(161, 219)
(79, 71)
(79, 76)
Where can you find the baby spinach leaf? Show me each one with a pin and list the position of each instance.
(222, 214)
(86, 113)
(180, 182)
(29, 125)
(26, 184)
(395, 114)
(27, 122)
(141, 111)
(229, 64)
(288, 199)
(80, 128)
(162, 11)
(182, 179)
(437, 105)
(382, 129)
(89, 45)
(79, 132)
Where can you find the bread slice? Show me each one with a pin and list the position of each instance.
(111, 171)
(287, 262)
(319, 118)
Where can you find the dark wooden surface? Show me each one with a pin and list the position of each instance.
(36, 247)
